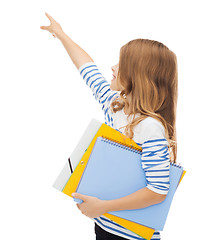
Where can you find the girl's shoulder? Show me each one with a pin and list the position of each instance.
(150, 121)
(151, 128)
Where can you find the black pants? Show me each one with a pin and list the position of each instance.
(104, 235)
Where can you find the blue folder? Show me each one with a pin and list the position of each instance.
(114, 171)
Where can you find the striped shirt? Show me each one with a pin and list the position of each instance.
(149, 134)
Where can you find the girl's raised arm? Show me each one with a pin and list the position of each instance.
(88, 70)
(76, 53)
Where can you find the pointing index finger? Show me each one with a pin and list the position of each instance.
(50, 18)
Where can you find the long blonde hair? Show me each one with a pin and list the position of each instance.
(148, 72)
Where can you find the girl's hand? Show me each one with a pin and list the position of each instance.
(92, 207)
(54, 27)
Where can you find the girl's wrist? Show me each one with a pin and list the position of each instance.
(60, 34)
(106, 206)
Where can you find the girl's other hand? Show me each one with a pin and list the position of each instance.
(54, 28)
(92, 207)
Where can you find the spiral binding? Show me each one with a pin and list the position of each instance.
(175, 165)
(120, 144)
(130, 148)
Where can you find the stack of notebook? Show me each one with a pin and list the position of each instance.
(106, 164)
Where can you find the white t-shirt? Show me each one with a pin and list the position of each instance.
(149, 134)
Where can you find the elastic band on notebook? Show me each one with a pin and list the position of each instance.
(70, 165)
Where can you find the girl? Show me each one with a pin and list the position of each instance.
(141, 103)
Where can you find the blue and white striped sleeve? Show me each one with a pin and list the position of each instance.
(155, 159)
(100, 88)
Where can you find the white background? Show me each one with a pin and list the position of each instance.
(46, 106)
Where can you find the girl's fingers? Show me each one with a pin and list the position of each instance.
(49, 17)
(44, 27)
